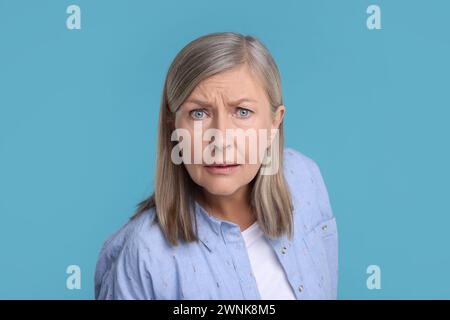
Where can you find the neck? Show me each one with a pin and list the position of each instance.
(234, 208)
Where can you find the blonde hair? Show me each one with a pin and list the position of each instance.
(175, 191)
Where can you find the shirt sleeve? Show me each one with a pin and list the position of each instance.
(329, 234)
(322, 192)
(128, 277)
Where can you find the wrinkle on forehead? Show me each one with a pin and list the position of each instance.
(230, 85)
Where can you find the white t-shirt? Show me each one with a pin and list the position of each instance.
(270, 276)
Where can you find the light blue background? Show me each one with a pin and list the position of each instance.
(78, 117)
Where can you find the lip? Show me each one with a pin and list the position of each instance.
(222, 168)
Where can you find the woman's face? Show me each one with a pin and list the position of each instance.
(233, 101)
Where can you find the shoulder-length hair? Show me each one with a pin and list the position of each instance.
(174, 191)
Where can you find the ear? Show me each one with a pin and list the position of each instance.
(278, 117)
(277, 120)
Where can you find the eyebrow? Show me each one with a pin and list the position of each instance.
(231, 103)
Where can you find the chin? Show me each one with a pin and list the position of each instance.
(220, 190)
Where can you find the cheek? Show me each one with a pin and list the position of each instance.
(195, 172)
(180, 119)
(248, 172)
(255, 147)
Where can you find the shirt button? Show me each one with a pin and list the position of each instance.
(300, 288)
(324, 227)
(283, 250)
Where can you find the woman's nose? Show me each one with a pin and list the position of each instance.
(223, 123)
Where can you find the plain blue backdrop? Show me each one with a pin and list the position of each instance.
(79, 110)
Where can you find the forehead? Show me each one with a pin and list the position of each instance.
(231, 84)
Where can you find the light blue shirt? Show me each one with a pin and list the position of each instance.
(137, 262)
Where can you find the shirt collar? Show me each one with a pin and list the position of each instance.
(209, 229)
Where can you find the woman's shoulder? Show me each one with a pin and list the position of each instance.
(301, 172)
(308, 188)
(297, 161)
(141, 238)
(314, 214)
(142, 231)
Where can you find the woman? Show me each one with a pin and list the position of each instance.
(223, 223)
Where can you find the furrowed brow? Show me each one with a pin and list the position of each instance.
(239, 101)
(208, 104)
(199, 102)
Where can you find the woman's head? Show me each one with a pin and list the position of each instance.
(235, 104)
(222, 97)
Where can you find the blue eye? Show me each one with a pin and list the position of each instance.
(197, 114)
(243, 112)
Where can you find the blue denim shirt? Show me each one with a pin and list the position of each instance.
(137, 262)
